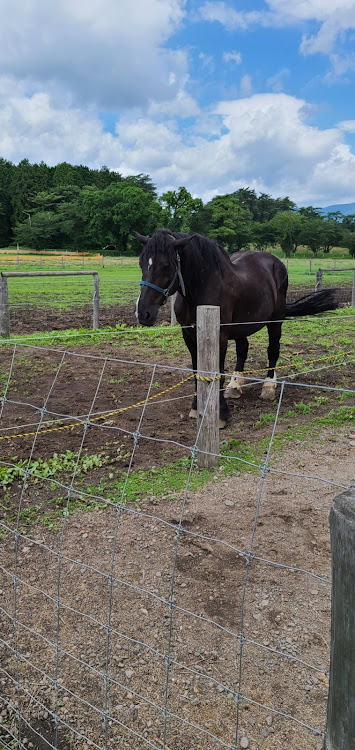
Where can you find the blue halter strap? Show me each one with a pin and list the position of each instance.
(166, 292)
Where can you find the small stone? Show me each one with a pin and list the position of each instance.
(129, 673)
(229, 503)
(269, 721)
(244, 742)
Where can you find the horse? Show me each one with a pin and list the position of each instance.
(250, 288)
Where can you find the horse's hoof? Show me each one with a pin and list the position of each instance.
(234, 387)
(268, 394)
(222, 424)
(193, 414)
(233, 392)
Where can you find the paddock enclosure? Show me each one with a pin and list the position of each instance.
(145, 603)
(61, 302)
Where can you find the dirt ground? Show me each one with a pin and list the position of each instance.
(156, 593)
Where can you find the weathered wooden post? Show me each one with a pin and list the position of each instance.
(62, 262)
(96, 301)
(18, 261)
(208, 324)
(353, 292)
(319, 277)
(310, 266)
(172, 311)
(340, 728)
(4, 308)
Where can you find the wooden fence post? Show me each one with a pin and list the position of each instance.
(172, 311)
(310, 266)
(340, 728)
(4, 308)
(208, 324)
(319, 277)
(353, 292)
(96, 302)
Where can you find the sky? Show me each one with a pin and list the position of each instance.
(210, 94)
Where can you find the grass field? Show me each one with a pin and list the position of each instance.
(119, 278)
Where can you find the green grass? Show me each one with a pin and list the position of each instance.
(167, 481)
(120, 283)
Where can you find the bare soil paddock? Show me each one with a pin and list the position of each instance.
(142, 648)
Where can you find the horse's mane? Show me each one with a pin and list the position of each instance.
(202, 254)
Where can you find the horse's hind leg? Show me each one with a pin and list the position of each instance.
(273, 351)
(235, 385)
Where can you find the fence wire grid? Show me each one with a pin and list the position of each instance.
(148, 624)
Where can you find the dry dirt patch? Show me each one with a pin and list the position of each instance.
(122, 568)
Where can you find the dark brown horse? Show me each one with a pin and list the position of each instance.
(250, 290)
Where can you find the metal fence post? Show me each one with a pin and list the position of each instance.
(96, 302)
(319, 277)
(208, 325)
(340, 728)
(4, 308)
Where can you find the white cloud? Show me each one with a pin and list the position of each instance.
(235, 57)
(276, 82)
(231, 19)
(103, 51)
(263, 141)
(246, 86)
(347, 125)
(333, 17)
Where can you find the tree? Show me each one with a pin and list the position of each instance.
(332, 233)
(113, 213)
(309, 212)
(228, 223)
(264, 235)
(179, 209)
(312, 234)
(349, 241)
(6, 169)
(142, 181)
(288, 226)
(40, 232)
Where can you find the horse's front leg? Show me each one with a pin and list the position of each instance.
(235, 385)
(273, 351)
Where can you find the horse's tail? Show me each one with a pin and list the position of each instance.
(312, 304)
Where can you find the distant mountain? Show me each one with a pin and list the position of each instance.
(344, 208)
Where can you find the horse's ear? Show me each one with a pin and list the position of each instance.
(141, 238)
(182, 241)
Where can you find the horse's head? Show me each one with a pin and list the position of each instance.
(161, 273)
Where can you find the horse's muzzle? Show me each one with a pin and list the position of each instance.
(147, 317)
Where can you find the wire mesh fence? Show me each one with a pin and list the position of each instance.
(141, 607)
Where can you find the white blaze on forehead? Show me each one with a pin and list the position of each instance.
(136, 310)
(150, 262)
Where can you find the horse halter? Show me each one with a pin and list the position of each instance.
(166, 292)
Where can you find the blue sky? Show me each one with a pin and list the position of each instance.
(203, 93)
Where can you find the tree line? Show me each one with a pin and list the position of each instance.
(74, 207)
